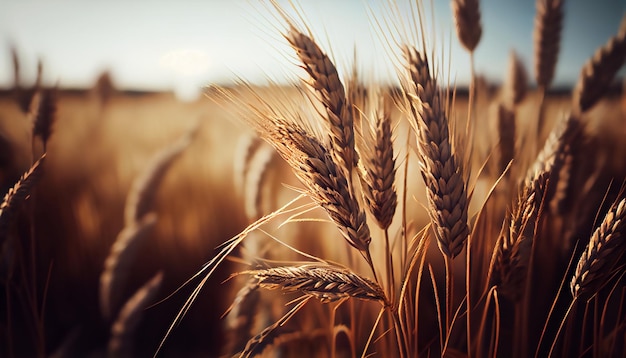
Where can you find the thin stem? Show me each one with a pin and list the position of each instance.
(391, 281)
(449, 293)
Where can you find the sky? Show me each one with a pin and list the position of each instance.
(186, 44)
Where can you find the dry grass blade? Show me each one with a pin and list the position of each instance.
(324, 282)
(598, 73)
(467, 19)
(379, 171)
(18, 194)
(547, 37)
(325, 81)
(327, 184)
(605, 248)
(117, 263)
(140, 198)
(440, 166)
(122, 331)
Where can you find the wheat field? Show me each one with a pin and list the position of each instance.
(330, 217)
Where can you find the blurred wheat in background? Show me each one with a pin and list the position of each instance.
(340, 216)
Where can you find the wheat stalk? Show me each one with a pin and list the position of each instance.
(440, 166)
(467, 19)
(324, 282)
(326, 82)
(547, 37)
(599, 71)
(603, 251)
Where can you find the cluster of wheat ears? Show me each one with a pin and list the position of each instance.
(510, 274)
(505, 288)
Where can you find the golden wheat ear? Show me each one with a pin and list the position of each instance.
(440, 166)
(18, 194)
(324, 79)
(324, 282)
(547, 37)
(600, 70)
(605, 248)
(124, 328)
(467, 19)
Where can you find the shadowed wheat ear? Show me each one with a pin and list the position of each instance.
(506, 131)
(324, 282)
(467, 19)
(141, 196)
(119, 260)
(512, 253)
(598, 73)
(547, 37)
(43, 113)
(18, 194)
(516, 82)
(440, 166)
(378, 170)
(324, 79)
(605, 248)
(124, 327)
(139, 220)
(240, 317)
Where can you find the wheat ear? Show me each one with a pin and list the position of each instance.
(516, 82)
(467, 19)
(605, 248)
(598, 73)
(547, 37)
(440, 166)
(119, 260)
(512, 254)
(141, 196)
(324, 282)
(18, 194)
(326, 182)
(379, 170)
(324, 79)
(43, 111)
(124, 327)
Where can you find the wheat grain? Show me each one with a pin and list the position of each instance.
(440, 167)
(605, 248)
(547, 38)
(467, 19)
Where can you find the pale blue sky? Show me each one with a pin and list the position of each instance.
(144, 43)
